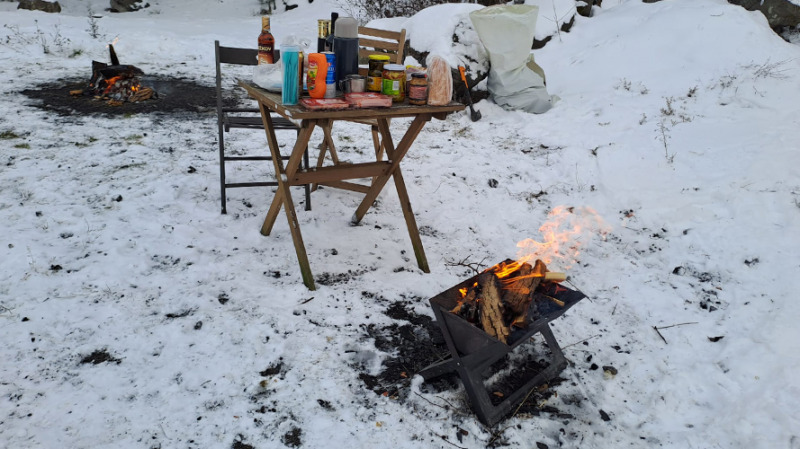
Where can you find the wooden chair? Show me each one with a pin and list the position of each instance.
(232, 117)
(371, 41)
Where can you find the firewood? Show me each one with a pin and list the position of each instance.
(491, 306)
(144, 93)
(468, 307)
(517, 293)
(555, 276)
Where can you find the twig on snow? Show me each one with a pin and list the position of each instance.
(659, 334)
(476, 267)
(579, 342)
(675, 325)
(431, 402)
(656, 328)
(450, 442)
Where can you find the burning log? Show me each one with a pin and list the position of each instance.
(492, 307)
(502, 295)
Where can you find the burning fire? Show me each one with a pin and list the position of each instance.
(112, 83)
(563, 235)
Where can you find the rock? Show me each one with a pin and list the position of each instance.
(779, 13)
(127, 5)
(584, 7)
(39, 5)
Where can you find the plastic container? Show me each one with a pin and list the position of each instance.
(317, 74)
(290, 59)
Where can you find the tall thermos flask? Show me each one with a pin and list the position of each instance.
(345, 46)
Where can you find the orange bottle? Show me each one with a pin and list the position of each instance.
(317, 72)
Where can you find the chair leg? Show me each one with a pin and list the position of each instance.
(223, 198)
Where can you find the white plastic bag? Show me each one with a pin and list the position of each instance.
(269, 76)
(507, 32)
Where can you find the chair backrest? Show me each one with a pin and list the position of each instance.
(233, 56)
(374, 41)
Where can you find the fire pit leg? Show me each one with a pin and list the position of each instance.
(470, 374)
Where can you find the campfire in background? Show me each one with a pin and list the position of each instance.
(117, 83)
(501, 296)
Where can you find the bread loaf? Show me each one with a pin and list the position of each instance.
(440, 81)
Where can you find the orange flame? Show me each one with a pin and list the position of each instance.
(110, 83)
(563, 234)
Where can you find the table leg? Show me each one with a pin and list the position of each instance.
(283, 196)
(411, 222)
(396, 155)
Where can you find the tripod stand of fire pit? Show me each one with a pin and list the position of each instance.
(472, 350)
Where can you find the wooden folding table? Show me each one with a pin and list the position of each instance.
(336, 175)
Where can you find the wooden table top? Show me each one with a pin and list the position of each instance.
(297, 112)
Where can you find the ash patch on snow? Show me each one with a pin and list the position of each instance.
(416, 342)
(174, 95)
(100, 356)
(411, 347)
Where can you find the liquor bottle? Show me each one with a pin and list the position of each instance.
(266, 43)
(323, 30)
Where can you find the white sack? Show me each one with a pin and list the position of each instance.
(507, 32)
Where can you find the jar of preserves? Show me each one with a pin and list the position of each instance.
(418, 89)
(394, 82)
(375, 72)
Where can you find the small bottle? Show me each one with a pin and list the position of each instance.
(418, 89)
(323, 30)
(266, 43)
(317, 73)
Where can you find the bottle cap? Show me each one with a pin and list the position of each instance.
(395, 67)
(379, 57)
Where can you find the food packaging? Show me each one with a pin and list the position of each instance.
(324, 103)
(368, 100)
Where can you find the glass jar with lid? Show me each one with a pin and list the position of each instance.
(375, 72)
(418, 89)
(394, 82)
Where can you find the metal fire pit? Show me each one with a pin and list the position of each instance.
(472, 350)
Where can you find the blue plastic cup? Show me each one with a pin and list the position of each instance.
(290, 58)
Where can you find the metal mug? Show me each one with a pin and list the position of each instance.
(353, 83)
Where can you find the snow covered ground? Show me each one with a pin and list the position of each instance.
(133, 314)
